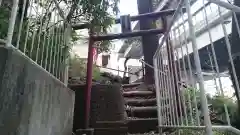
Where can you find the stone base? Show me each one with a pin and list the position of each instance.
(89, 131)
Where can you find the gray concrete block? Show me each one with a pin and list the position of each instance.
(32, 101)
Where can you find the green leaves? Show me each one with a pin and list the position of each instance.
(4, 22)
(217, 106)
(100, 14)
(78, 68)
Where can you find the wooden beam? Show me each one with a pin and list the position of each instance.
(127, 35)
(152, 15)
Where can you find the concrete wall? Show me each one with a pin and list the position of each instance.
(107, 104)
(32, 102)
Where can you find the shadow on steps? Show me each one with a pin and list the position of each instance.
(107, 112)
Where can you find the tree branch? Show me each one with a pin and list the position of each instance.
(61, 13)
(73, 8)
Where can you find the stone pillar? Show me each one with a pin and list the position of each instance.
(149, 43)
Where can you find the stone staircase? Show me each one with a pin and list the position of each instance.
(141, 108)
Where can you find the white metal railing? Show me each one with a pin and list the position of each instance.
(183, 105)
(39, 30)
(198, 24)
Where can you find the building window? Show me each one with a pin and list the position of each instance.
(105, 59)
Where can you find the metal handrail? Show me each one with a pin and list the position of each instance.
(149, 65)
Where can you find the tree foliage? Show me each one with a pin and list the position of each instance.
(216, 107)
(78, 68)
(44, 25)
(100, 14)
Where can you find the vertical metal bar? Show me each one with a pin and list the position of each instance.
(186, 76)
(182, 93)
(204, 103)
(180, 77)
(172, 88)
(21, 23)
(190, 71)
(58, 52)
(34, 33)
(158, 95)
(47, 48)
(12, 22)
(176, 77)
(160, 101)
(58, 49)
(51, 49)
(161, 90)
(66, 58)
(52, 57)
(188, 95)
(229, 50)
(212, 68)
(169, 112)
(231, 62)
(61, 38)
(1, 2)
(39, 35)
(212, 48)
(182, 58)
(32, 43)
(179, 70)
(43, 49)
(89, 78)
(168, 29)
(55, 45)
(55, 52)
(28, 26)
(165, 102)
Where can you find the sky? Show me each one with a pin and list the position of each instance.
(128, 7)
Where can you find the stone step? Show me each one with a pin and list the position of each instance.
(110, 131)
(111, 128)
(131, 85)
(142, 125)
(109, 124)
(142, 112)
(138, 87)
(140, 102)
(138, 93)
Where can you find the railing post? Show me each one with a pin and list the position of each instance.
(66, 59)
(12, 21)
(203, 98)
(158, 96)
